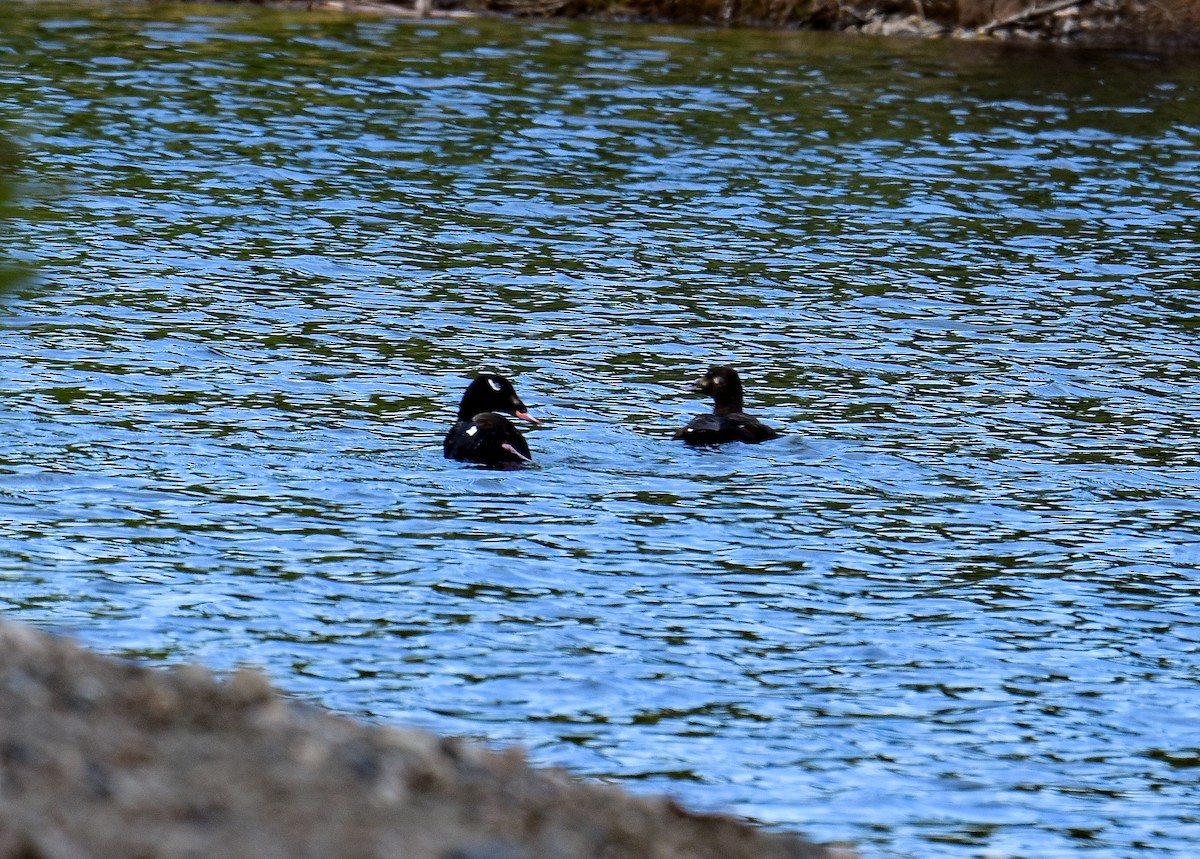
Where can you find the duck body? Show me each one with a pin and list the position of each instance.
(728, 421)
(487, 438)
(483, 436)
(714, 429)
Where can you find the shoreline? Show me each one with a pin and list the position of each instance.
(172, 763)
(1155, 25)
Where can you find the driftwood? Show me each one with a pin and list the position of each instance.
(1030, 14)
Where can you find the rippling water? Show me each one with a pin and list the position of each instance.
(952, 613)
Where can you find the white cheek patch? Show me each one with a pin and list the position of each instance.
(472, 430)
(495, 385)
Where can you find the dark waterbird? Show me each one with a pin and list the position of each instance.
(480, 435)
(727, 422)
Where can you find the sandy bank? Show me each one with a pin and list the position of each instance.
(102, 758)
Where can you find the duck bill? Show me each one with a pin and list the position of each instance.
(525, 416)
(516, 452)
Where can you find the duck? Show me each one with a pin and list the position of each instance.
(728, 421)
(479, 434)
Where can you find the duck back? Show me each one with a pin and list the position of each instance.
(715, 429)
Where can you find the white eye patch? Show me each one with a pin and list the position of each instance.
(472, 430)
(495, 385)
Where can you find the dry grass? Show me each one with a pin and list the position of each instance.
(1170, 22)
(976, 13)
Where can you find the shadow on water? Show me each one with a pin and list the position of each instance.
(11, 275)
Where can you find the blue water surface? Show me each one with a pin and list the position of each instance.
(953, 612)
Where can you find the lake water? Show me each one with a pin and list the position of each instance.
(953, 612)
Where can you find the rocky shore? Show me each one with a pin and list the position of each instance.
(1119, 24)
(105, 759)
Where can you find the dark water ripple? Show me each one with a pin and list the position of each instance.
(951, 613)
